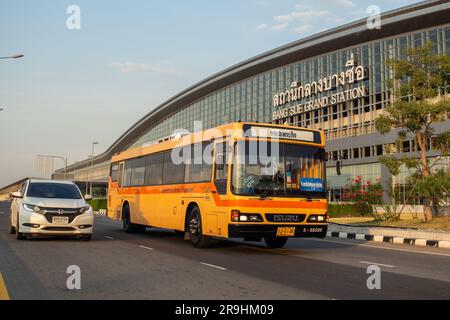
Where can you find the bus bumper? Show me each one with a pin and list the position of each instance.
(268, 230)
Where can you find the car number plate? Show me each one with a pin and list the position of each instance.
(285, 231)
(60, 220)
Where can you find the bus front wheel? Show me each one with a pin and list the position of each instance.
(275, 242)
(195, 230)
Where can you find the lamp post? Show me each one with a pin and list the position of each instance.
(15, 56)
(92, 166)
(87, 175)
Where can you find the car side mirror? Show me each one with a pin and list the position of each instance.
(17, 195)
(88, 197)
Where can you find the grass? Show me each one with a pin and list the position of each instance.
(351, 220)
(440, 223)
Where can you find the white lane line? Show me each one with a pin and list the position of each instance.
(378, 264)
(108, 237)
(2, 212)
(147, 248)
(213, 266)
(387, 248)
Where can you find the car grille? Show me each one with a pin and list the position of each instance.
(58, 229)
(285, 217)
(71, 213)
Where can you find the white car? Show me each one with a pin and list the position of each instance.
(49, 207)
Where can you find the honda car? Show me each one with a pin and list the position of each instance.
(50, 207)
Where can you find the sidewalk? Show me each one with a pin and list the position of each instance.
(424, 238)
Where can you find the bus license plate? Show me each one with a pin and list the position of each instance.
(60, 220)
(313, 230)
(285, 231)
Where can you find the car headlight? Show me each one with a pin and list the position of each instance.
(31, 207)
(85, 209)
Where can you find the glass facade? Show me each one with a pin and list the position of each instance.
(251, 99)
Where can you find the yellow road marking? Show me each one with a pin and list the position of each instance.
(3, 291)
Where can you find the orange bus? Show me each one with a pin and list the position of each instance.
(241, 180)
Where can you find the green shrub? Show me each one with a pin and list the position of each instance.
(98, 204)
(343, 211)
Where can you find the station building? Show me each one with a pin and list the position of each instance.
(336, 80)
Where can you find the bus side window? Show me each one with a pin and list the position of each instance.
(114, 172)
(120, 174)
(221, 168)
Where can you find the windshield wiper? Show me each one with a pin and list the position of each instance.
(270, 187)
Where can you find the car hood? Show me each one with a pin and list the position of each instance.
(55, 203)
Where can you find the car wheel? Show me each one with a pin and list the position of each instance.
(128, 226)
(86, 237)
(275, 242)
(195, 230)
(19, 235)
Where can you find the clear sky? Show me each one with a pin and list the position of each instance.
(78, 86)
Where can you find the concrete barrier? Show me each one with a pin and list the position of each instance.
(424, 238)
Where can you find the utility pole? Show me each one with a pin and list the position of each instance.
(92, 166)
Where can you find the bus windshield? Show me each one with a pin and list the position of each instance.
(278, 169)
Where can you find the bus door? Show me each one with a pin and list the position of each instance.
(222, 158)
(118, 197)
(217, 221)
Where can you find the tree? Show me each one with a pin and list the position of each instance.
(363, 194)
(417, 106)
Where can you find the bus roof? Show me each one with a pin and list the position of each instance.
(234, 130)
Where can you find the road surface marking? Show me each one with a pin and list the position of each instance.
(213, 266)
(387, 248)
(3, 291)
(147, 248)
(2, 212)
(378, 264)
(108, 237)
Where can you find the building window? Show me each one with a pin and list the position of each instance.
(345, 154)
(366, 152)
(355, 153)
(379, 149)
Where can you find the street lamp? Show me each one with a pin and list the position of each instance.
(92, 165)
(16, 56)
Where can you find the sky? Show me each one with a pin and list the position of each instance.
(76, 86)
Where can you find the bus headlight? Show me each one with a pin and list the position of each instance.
(317, 218)
(237, 216)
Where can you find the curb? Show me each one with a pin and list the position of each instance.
(389, 239)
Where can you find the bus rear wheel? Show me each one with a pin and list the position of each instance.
(128, 226)
(275, 242)
(195, 230)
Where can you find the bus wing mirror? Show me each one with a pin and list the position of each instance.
(338, 167)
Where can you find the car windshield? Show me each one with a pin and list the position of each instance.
(278, 169)
(53, 190)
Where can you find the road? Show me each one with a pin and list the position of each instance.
(161, 265)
